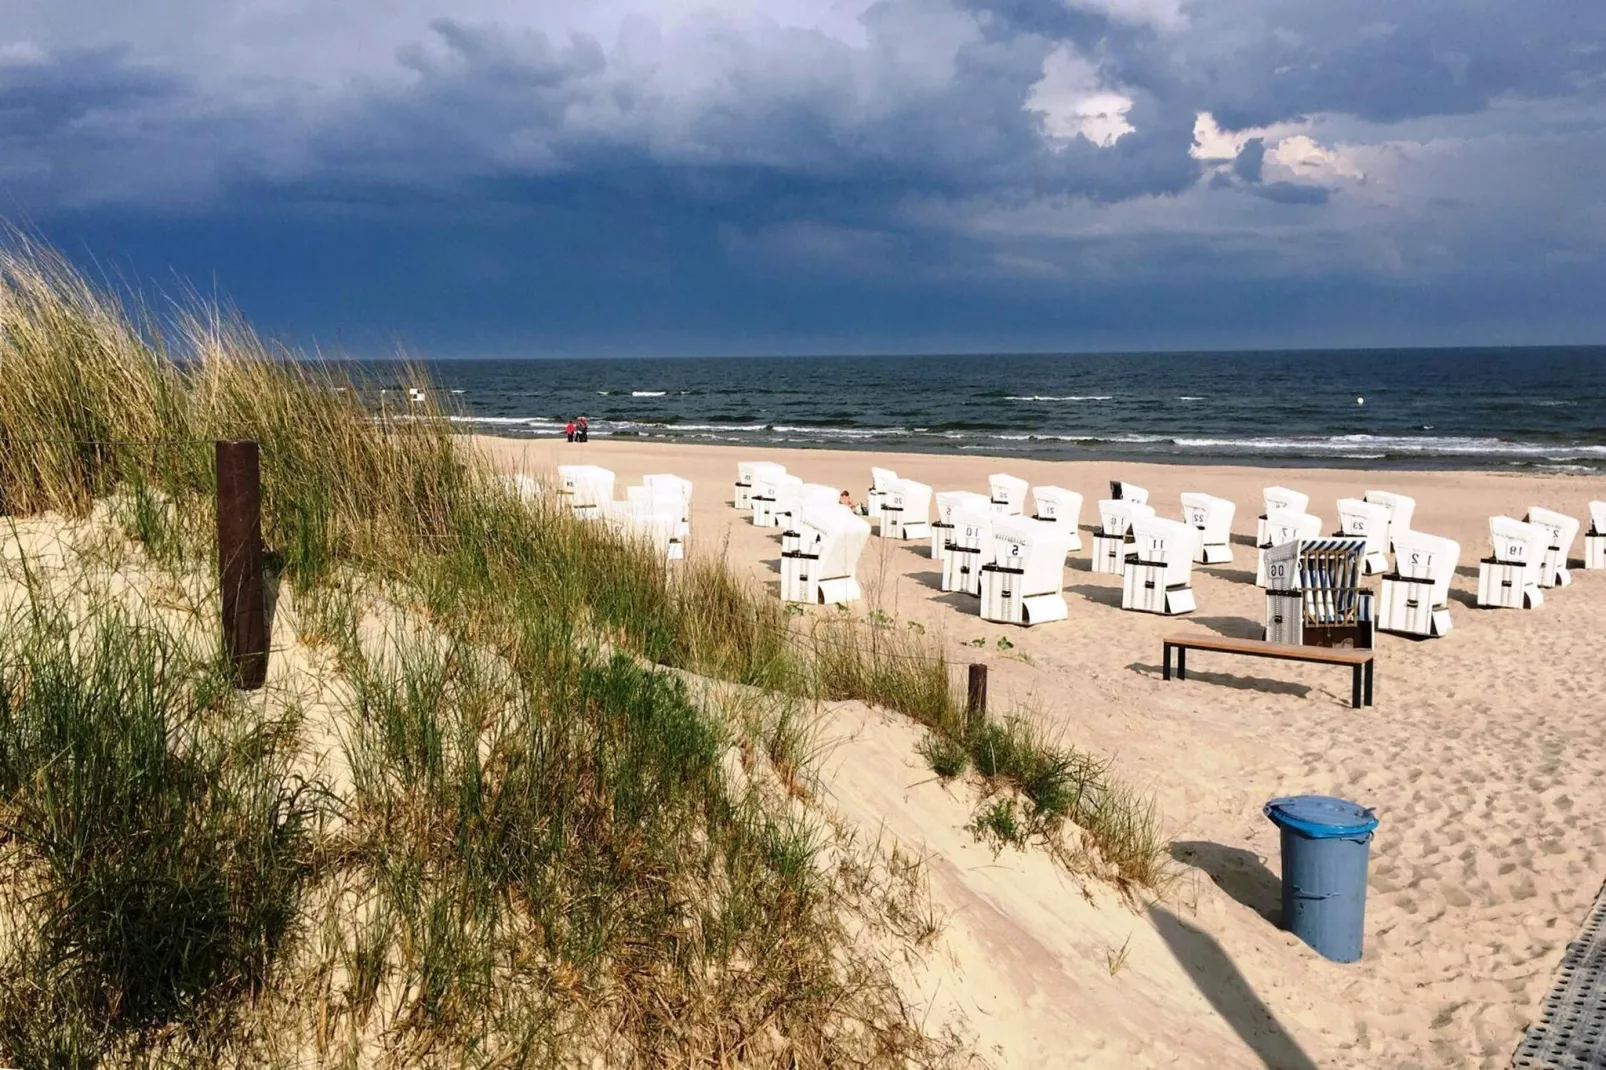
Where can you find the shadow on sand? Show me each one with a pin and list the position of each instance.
(1240, 873)
(1241, 683)
(1220, 982)
(1106, 596)
(1233, 627)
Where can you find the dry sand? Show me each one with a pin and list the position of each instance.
(1482, 748)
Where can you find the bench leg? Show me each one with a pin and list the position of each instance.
(1369, 681)
(1355, 687)
(1165, 658)
(1182, 663)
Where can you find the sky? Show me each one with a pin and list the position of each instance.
(491, 178)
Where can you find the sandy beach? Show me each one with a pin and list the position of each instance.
(1482, 747)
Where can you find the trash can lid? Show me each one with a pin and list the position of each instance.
(1321, 817)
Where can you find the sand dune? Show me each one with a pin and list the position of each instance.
(1481, 755)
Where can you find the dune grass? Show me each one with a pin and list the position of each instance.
(538, 854)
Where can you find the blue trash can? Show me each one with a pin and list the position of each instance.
(1327, 844)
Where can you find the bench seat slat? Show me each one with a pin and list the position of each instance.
(1262, 649)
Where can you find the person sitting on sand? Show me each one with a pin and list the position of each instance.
(847, 500)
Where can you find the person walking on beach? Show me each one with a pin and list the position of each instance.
(582, 430)
(570, 430)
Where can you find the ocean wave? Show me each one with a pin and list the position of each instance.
(648, 393)
(1189, 397)
(840, 432)
(1429, 445)
(1062, 397)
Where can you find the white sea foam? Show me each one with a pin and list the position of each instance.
(648, 393)
(1427, 445)
(1061, 397)
(1189, 397)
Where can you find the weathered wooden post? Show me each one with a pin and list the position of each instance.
(239, 557)
(976, 699)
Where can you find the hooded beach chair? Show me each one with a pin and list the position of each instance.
(881, 481)
(1415, 599)
(942, 529)
(1402, 511)
(741, 499)
(672, 488)
(1283, 528)
(1314, 595)
(1595, 538)
(906, 511)
(1360, 518)
(649, 517)
(1007, 494)
(1278, 500)
(1024, 582)
(1509, 577)
(767, 490)
(1212, 518)
(970, 546)
(1112, 538)
(792, 499)
(1123, 491)
(823, 568)
(1063, 509)
(585, 487)
(1563, 532)
(1157, 570)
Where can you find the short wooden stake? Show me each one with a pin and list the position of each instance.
(239, 557)
(976, 699)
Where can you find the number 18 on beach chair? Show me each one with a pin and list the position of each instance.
(1509, 577)
(1024, 581)
(1314, 595)
(1158, 568)
(1595, 538)
(1212, 518)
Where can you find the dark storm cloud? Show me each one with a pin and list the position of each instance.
(41, 96)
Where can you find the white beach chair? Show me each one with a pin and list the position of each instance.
(906, 511)
(1128, 492)
(672, 487)
(1008, 494)
(746, 473)
(1402, 511)
(1563, 532)
(1509, 577)
(1112, 538)
(767, 490)
(1370, 521)
(1595, 538)
(970, 546)
(824, 568)
(1158, 569)
(881, 481)
(586, 487)
(942, 528)
(1313, 591)
(526, 488)
(792, 499)
(1415, 598)
(1212, 518)
(1278, 500)
(644, 516)
(1283, 528)
(1024, 582)
(742, 498)
(1062, 508)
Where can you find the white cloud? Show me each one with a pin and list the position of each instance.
(1072, 101)
(1292, 153)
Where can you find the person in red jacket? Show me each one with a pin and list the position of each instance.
(570, 430)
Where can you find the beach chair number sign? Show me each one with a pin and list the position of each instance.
(1195, 515)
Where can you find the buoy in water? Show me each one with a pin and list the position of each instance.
(1360, 401)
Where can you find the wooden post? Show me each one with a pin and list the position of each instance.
(976, 699)
(239, 558)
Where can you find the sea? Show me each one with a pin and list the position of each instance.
(1493, 408)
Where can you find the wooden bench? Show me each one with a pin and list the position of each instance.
(1360, 661)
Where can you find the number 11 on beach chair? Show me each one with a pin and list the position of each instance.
(1157, 572)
